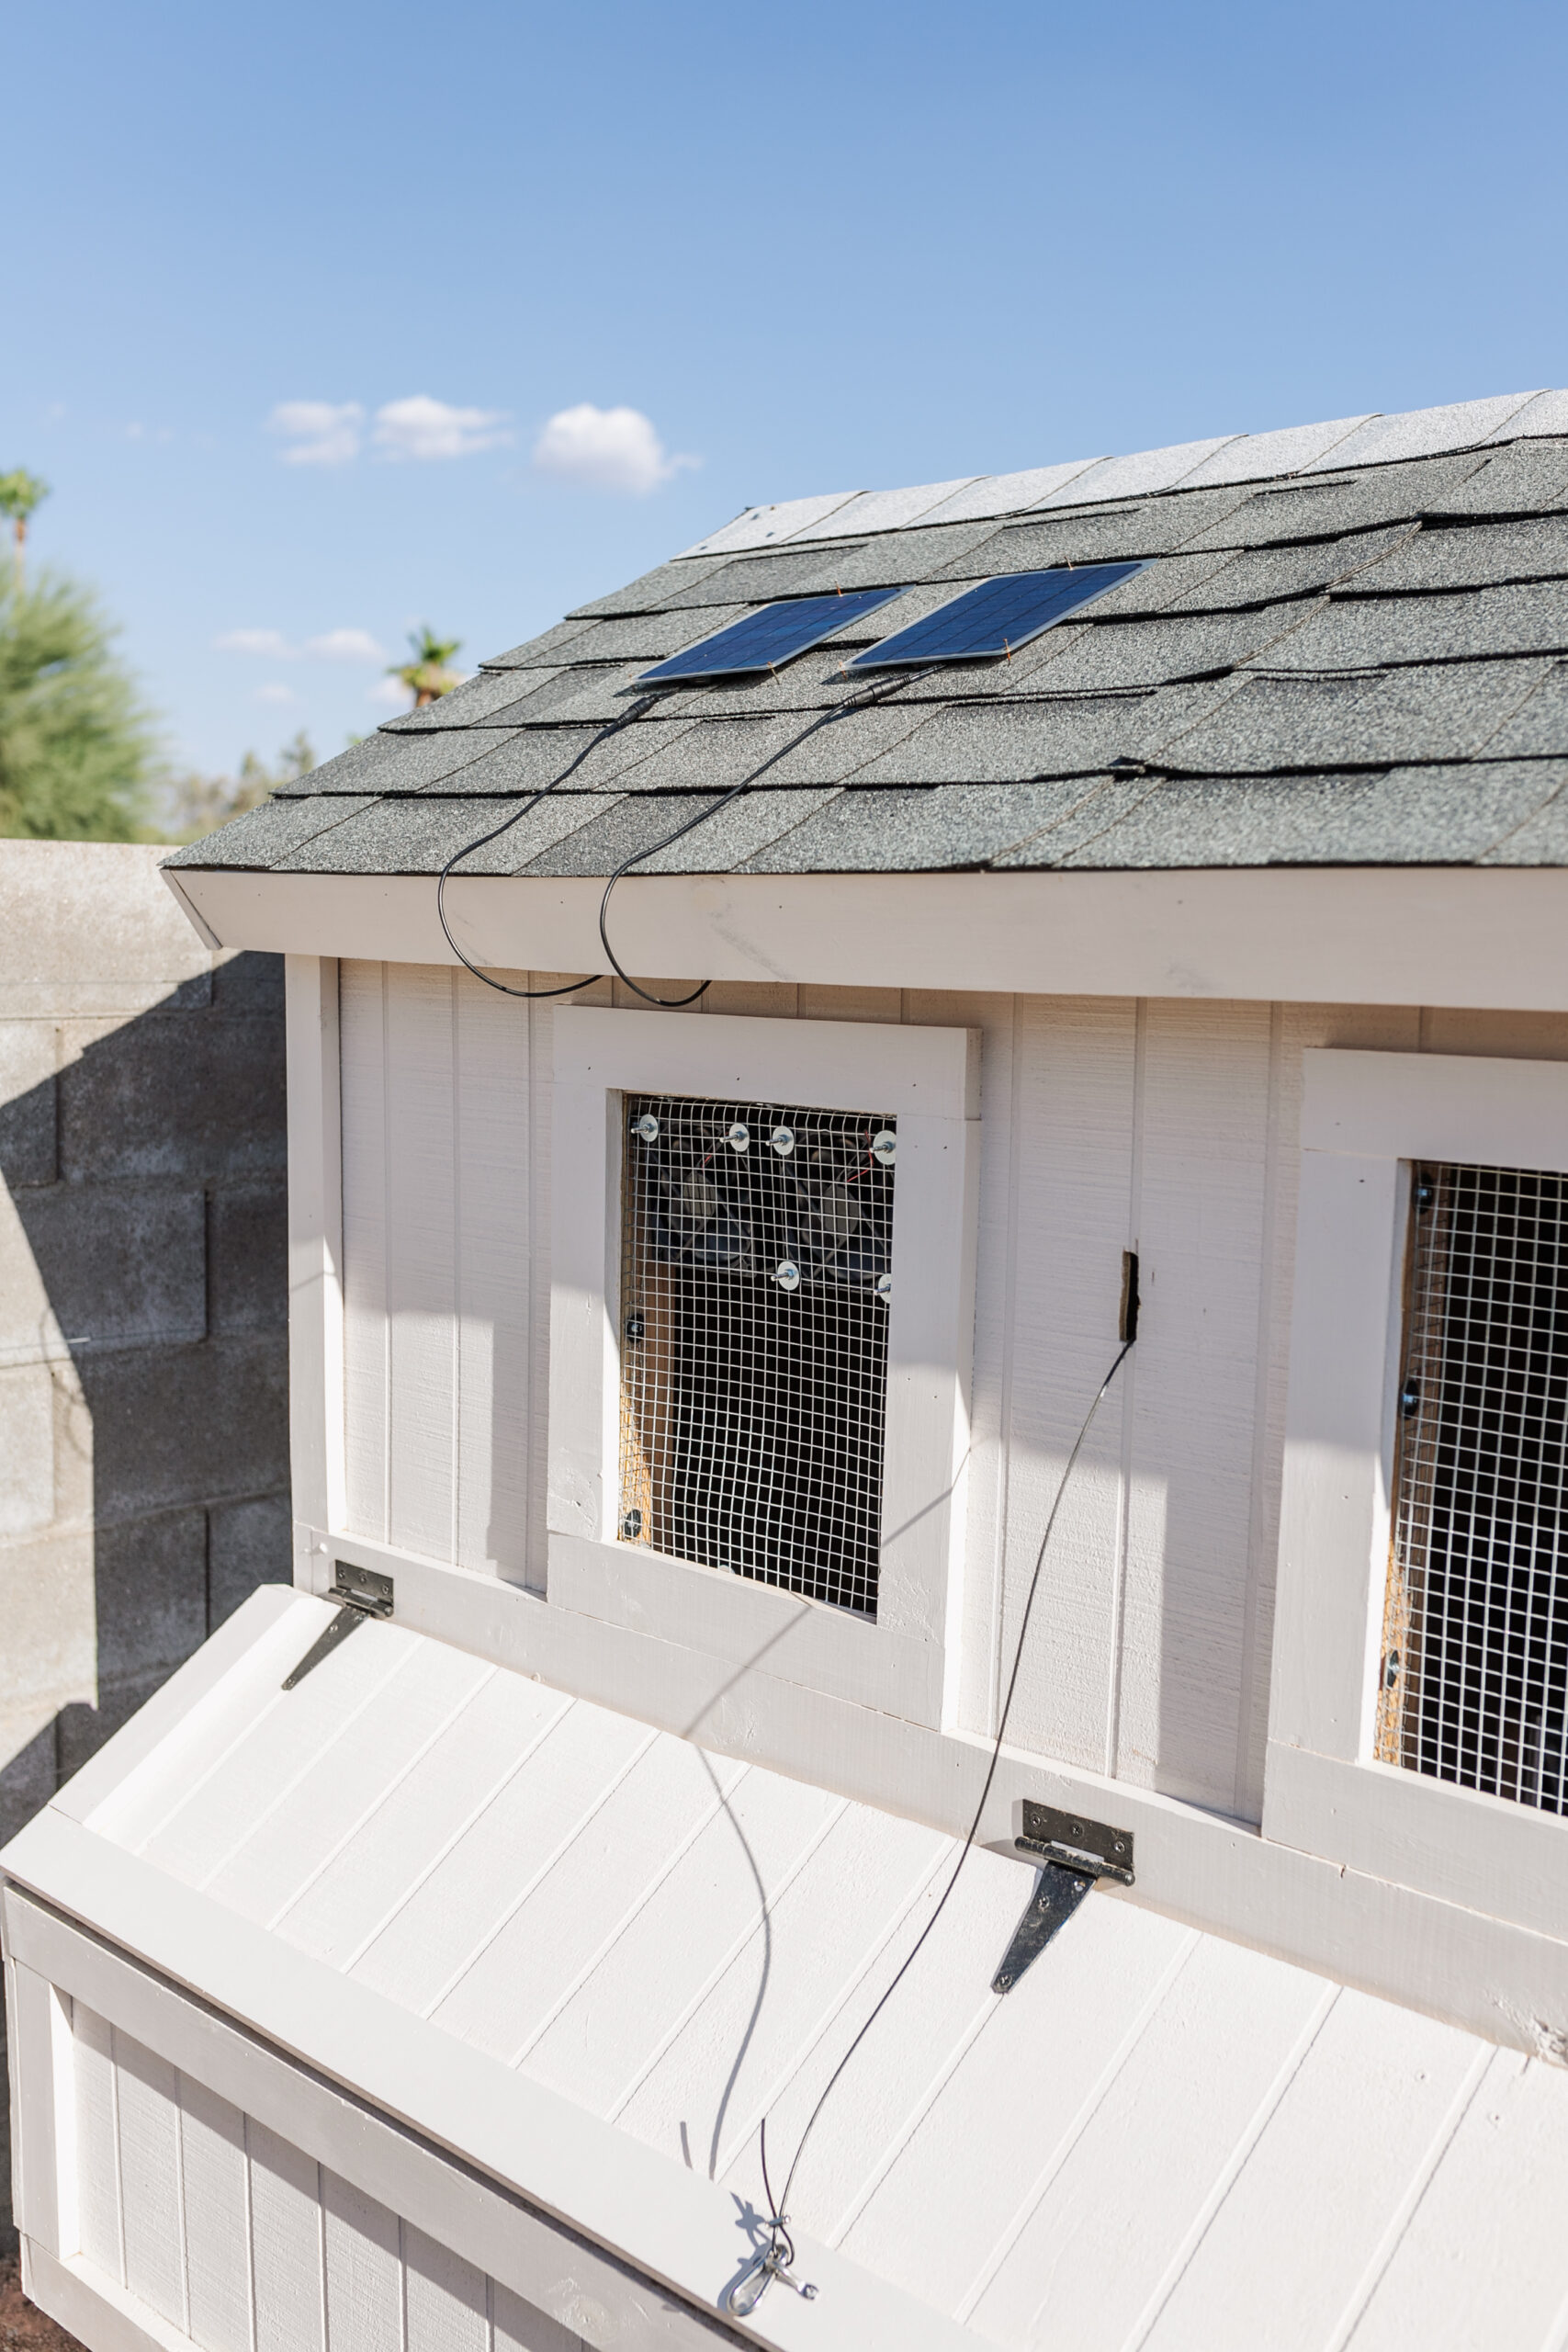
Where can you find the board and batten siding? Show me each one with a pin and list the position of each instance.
(243, 2243)
(1169, 1127)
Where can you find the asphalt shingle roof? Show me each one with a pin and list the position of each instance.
(1350, 647)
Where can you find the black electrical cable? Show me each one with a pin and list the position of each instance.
(643, 703)
(715, 809)
(783, 2245)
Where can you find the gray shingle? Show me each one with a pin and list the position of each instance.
(1532, 478)
(419, 837)
(923, 827)
(539, 756)
(389, 762)
(1538, 726)
(1481, 554)
(725, 842)
(1543, 838)
(544, 652)
(1142, 474)
(478, 702)
(658, 587)
(884, 510)
(1333, 504)
(712, 757)
(1270, 575)
(263, 837)
(1385, 717)
(892, 560)
(1404, 817)
(758, 526)
(1052, 736)
(1424, 432)
(1360, 633)
(1173, 645)
(1099, 534)
(1263, 456)
(589, 696)
(992, 494)
(653, 637)
(640, 821)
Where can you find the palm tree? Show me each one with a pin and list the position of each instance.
(428, 676)
(20, 494)
(76, 745)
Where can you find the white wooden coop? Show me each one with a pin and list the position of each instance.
(678, 1400)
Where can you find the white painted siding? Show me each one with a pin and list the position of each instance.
(1168, 1126)
(243, 2244)
(1159, 2139)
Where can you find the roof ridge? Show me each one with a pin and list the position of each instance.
(1290, 451)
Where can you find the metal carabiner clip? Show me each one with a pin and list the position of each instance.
(773, 2262)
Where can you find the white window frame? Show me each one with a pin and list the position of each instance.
(1365, 1118)
(905, 1662)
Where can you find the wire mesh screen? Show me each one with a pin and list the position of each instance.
(1475, 1653)
(756, 1273)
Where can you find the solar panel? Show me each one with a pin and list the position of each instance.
(763, 639)
(994, 620)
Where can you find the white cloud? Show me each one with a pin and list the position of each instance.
(608, 448)
(421, 427)
(274, 693)
(269, 643)
(318, 433)
(345, 645)
(392, 693)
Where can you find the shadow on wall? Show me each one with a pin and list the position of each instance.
(143, 1354)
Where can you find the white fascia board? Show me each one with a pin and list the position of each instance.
(1449, 936)
(669, 2223)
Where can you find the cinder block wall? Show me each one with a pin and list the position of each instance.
(143, 1361)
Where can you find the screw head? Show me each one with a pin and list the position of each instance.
(788, 1275)
(885, 1146)
(739, 1137)
(885, 1287)
(783, 1141)
(647, 1127)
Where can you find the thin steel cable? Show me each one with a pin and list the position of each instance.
(778, 2220)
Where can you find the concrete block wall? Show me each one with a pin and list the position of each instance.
(143, 1357)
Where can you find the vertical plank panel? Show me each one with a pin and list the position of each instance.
(445, 2300)
(1463, 2274)
(494, 1390)
(286, 2242)
(1073, 1160)
(366, 1330)
(1201, 1218)
(148, 2095)
(421, 1211)
(98, 2143)
(218, 2246)
(363, 2270)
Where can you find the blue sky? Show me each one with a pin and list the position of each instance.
(259, 256)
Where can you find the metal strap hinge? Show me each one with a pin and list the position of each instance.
(363, 1593)
(1074, 1853)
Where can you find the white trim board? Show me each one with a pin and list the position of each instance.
(907, 1659)
(1365, 1116)
(667, 2223)
(1449, 936)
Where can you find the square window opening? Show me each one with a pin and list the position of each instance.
(1475, 1641)
(756, 1279)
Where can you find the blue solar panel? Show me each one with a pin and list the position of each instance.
(764, 640)
(994, 620)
